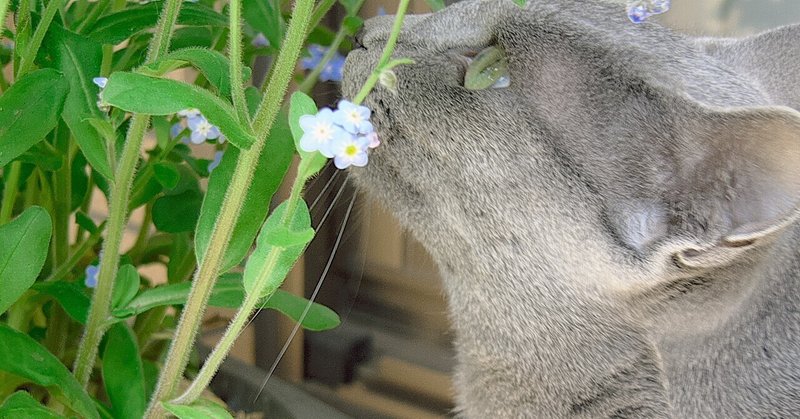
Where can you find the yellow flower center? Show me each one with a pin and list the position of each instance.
(351, 150)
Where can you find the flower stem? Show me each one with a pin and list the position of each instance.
(387, 53)
(76, 256)
(207, 273)
(240, 320)
(235, 56)
(3, 9)
(96, 324)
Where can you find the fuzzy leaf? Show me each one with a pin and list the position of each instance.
(155, 96)
(123, 374)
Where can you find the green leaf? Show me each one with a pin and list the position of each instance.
(177, 213)
(213, 65)
(437, 5)
(22, 405)
(272, 167)
(80, 60)
(126, 286)
(265, 17)
(29, 109)
(167, 174)
(154, 96)
(201, 409)
(520, 3)
(276, 260)
(43, 155)
(282, 236)
(228, 292)
(22, 356)
(181, 259)
(117, 27)
(317, 319)
(69, 295)
(311, 162)
(123, 374)
(352, 24)
(24, 243)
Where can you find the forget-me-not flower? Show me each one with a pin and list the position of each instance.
(332, 70)
(189, 113)
(101, 83)
(351, 152)
(176, 129)
(214, 163)
(320, 132)
(640, 10)
(260, 41)
(353, 118)
(202, 129)
(373, 139)
(91, 276)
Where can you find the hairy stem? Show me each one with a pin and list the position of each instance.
(96, 324)
(387, 53)
(235, 57)
(207, 273)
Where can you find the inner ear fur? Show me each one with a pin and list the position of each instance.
(746, 163)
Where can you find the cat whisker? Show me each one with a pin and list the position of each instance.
(313, 294)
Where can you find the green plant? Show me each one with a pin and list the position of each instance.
(89, 81)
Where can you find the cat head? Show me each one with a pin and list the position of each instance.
(662, 148)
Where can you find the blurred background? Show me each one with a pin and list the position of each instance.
(392, 356)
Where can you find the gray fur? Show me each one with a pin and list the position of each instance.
(616, 230)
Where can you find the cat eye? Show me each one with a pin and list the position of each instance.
(489, 69)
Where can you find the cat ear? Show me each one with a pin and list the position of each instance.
(746, 176)
(770, 58)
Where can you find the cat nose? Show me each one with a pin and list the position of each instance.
(358, 39)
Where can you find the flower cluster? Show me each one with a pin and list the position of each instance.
(344, 135)
(332, 70)
(640, 10)
(202, 130)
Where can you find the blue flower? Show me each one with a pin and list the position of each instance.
(640, 10)
(176, 129)
(353, 118)
(351, 151)
(214, 163)
(260, 41)
(320, 131)
(100, 82)
(202, 129)
(189, 113)
(91, 276)
(332, 70)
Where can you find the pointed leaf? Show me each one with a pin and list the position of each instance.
(177, 213)
(272, 167)
(272, 261)
(213, 65)
(29, 109)
(22, 356)
(119, 26)
(229, 293)
(69, 295)
(154, 96)
(24, 243)
(123, 374)
(80, 59)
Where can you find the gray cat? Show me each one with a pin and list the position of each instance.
(616, 228)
